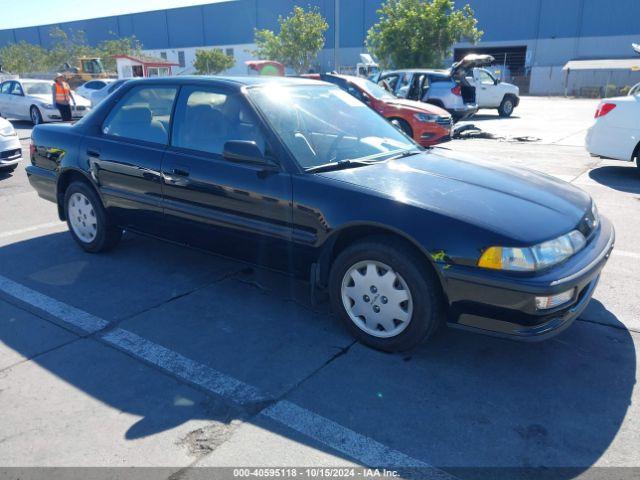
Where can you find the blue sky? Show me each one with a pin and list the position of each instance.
(26, 13)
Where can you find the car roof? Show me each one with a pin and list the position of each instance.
(419, 70)
(32, 80)
(230, 81)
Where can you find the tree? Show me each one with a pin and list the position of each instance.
(107, 49)
(420, 33)
(22, 57)
(211, 62)
(297, 45)
(67, 47)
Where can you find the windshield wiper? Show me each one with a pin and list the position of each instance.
(406, 153)
(339, 165)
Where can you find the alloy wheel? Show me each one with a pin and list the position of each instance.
(377, 299)
(82, 217)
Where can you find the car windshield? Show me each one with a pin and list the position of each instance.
(323, 124)
(36, 88)
(372, 89)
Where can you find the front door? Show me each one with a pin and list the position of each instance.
(486, 90)
(210, 202)
(125, 155)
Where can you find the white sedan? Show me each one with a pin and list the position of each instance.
(10, 148)
(26, 99)
(616, 131)
(87, 89)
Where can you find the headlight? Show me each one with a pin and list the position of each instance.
(7, 131)
(538, 257)
(425, 117)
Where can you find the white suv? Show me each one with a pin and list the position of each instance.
(492, 93)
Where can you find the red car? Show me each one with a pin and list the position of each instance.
(427, 124)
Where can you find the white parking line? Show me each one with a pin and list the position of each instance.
(185, 368)
(364, 449)
(66, 313)
(20, 231)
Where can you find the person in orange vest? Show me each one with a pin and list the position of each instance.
(62, 97)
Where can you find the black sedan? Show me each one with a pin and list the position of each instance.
(298, 175)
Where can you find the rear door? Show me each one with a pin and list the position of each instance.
(125, 155)
(210, 202)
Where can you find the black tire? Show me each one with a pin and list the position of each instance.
(423, 284)
(507, 106)
(107, 235)
(35, 115)
(404, 126)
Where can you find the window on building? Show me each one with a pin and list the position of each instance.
(137, 71)
(163, 55)
(143, 114)
(181, 61)
(229, 52)
(158, 72)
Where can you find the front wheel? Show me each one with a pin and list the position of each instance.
(506, 107)
(87, 219)
(36, 116)
(387, 297)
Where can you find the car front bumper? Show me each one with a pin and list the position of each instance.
(53, 114)
(464, 112)
(504, 305)
(10, 151)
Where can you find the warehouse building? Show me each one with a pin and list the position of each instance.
(532, 39)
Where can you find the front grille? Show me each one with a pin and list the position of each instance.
(80, 109)
(444, 121)
(588, 224)
(10, 153)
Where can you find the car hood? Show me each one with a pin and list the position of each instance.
(523, 205)
(46, 98)
(418, 106)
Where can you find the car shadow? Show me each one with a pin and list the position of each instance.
(487, 116)
(624, 178)
(468, 402)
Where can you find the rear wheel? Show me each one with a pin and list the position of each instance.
(387, 297)
(36, 116)
(507, 106)
(87, 219)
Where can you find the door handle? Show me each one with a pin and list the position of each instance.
(93, 153)
(180, 172)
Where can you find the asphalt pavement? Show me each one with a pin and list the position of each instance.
(156, 355)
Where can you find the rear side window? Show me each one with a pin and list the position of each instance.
(206, 119)
(142, 114)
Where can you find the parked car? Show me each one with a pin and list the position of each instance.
(426, 124)
(448, 89)
(87, 89)
(27, 99)
(296, 175)
(492, 93)
(10, 148)
(100, 95)
(616, 130)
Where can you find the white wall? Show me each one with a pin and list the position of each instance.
(240, 54)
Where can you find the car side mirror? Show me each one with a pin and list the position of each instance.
(243, 151)
(496, 81)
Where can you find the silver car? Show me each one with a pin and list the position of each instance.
(448, 89)
(99, 95)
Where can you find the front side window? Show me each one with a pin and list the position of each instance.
(322, 124)
(17, 89)
(485, 78)
(142, 114)
(206, 119)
